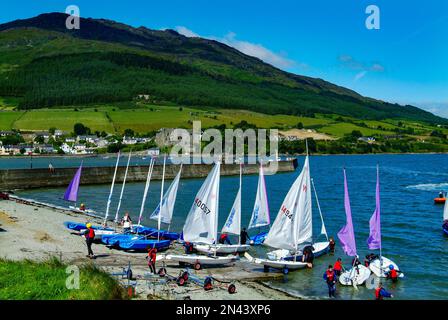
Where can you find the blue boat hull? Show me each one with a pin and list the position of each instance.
(143, 245)
(258, 239)
(115, 239)
(445, 230)
(153, 232)
(75, 226)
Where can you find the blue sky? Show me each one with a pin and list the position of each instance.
(405, 61)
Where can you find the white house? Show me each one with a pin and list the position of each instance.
(154, 152)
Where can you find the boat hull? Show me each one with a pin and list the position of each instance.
(153, 232)
(380, 269)
(439, 200)
(258, 239)
(320, 248)
(75, 226)
(355, 276)
(143, 245)
(222, 248)
(281, 264)
(202, 259)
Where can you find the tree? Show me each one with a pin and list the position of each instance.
(39, 139)
(80, 129)
(299, 125)
(356, 134)
(129, 133)
(52, 130)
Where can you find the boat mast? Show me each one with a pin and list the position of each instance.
(161, 199)
(122, 188)
(241, 181)
(148, 180)
(109, 199)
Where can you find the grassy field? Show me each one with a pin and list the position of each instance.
(7, 119)
(63, 120)
(27, 280)
(144, 118)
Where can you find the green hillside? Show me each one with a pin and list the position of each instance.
(44, 65)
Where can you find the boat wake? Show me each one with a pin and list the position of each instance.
(429, 186)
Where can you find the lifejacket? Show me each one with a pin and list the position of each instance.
(152, 255)
(337, 266)
(393, 274)
(330, 275)
(223, 237)
(91, 233)
(378, 295)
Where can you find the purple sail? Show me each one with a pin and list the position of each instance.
(347, 235)
(374, 240)
(71, 194)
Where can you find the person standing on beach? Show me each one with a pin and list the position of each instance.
(152, 255)
(89, 234)
(338, 267)
(50, 167)
(126, 222)
(330, 277)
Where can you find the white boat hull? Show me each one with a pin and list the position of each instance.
(281, 264)
(222, 248)
(380, 270)
(355, 276)
(320, 248)
(203, 260)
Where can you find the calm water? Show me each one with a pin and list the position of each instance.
(411, 223)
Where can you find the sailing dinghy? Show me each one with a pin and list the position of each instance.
(445, 218)
(381, 265)
(232, 226)
(71, 194)
(201, 225)
(260, 214)
(292, 228)
(358, 274)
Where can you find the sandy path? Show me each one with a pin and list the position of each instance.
(36, 232)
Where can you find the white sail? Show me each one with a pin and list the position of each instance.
(122, 188)
(260, 214)
(293, 224)
(233, 223)
(168, 202)
(201, 223)
(109, 199)
(145, 193)
(445, 211)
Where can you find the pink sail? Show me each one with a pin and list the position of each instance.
(71, 194)
(374, 240)
(347, 235)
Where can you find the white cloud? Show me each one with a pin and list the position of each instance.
(252, 49)
(362, 68)
(360, 75)
(186, 32)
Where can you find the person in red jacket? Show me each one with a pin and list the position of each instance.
(338, 267)
(381, 293)
(152, 255)
(392, 274)
(89, 234)
(330, 277)
(224, 238)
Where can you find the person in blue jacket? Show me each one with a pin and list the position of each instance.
(381, 293)
(330, 277)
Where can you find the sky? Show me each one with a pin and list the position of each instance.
(404, 61)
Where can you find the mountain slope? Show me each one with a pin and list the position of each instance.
(104, 61)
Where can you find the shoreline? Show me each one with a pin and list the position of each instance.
(36, 232)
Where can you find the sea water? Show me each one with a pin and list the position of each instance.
(411, 223)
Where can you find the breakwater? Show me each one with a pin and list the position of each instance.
(12, 179)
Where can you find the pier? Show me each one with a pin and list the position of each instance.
(13, 179)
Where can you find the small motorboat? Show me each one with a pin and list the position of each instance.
(439, 200)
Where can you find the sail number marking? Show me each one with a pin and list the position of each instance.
(202, 206)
